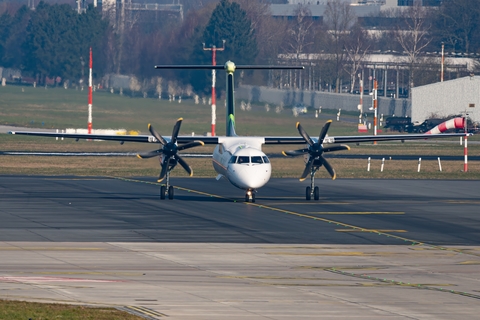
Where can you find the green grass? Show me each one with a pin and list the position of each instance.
(60, 108)
(21, 310)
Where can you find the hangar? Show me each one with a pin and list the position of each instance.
(442, 99)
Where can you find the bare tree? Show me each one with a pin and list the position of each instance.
(413, 36)
(299, 35)
(458, 23)
(269, 31)
(356, 46)
(339, 19)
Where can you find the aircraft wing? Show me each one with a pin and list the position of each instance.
(214, 140)
(358, 139)
(116, 137)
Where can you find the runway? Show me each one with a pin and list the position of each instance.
(376, 249)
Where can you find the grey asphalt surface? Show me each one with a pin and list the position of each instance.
(376, 249)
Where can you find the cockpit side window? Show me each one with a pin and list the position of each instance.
(243, 159)
(233, 159)
(265, 159)
(257, 160)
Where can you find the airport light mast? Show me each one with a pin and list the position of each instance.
(214, 50)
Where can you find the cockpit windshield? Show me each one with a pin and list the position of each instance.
(246, 160)
(257, 160)
(243, 159)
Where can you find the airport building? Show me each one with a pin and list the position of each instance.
(442, 99)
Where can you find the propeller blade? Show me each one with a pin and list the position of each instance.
(165, 165)
(149, 154)
(336, 148)
(156, 135)
(184, 165)
(176, 129)
(189, 145)
(295, 153)
(324, 131)
(329, 168)
(304, 134)
(308, 168)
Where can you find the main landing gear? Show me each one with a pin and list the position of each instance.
(167, 189)
(312, 190)
(250, 196)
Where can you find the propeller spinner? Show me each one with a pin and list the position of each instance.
(169, 151)
(315, 151)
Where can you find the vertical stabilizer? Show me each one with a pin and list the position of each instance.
(230, 114)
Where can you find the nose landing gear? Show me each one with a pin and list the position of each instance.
(167, 189)
(312, 190)
(250, 196)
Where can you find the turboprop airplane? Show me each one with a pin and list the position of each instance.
(240, 159)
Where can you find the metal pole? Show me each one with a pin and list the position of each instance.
(375, 86)
(360, 106)
(90, 95)
(385, 81)
(443, 61)
(214, 50)
(465, 149)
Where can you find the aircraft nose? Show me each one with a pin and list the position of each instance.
(252, 176)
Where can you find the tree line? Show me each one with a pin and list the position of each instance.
(54, 40)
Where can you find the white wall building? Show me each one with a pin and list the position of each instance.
(446, 98)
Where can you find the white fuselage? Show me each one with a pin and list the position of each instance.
(242, 162)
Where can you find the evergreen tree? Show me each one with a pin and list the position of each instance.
(12, 35)
(230, 23)
(58, 39)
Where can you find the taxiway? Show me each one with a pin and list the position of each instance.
(376, 249)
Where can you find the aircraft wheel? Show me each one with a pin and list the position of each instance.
(316, 193)
(253, 197)
(162, 192)
(170, 192)
(308, 193)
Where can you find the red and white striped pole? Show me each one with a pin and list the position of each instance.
(214, 105)
(214, 50)
(90, 95)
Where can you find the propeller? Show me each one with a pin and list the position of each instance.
(169, 150)
(315, 151)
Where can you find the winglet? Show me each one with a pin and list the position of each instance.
(329, 121)
(283, 152)
(298, 123)
(334, 175)
(139, 156)
(302, 179)
(191, 171)
(160, 180)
